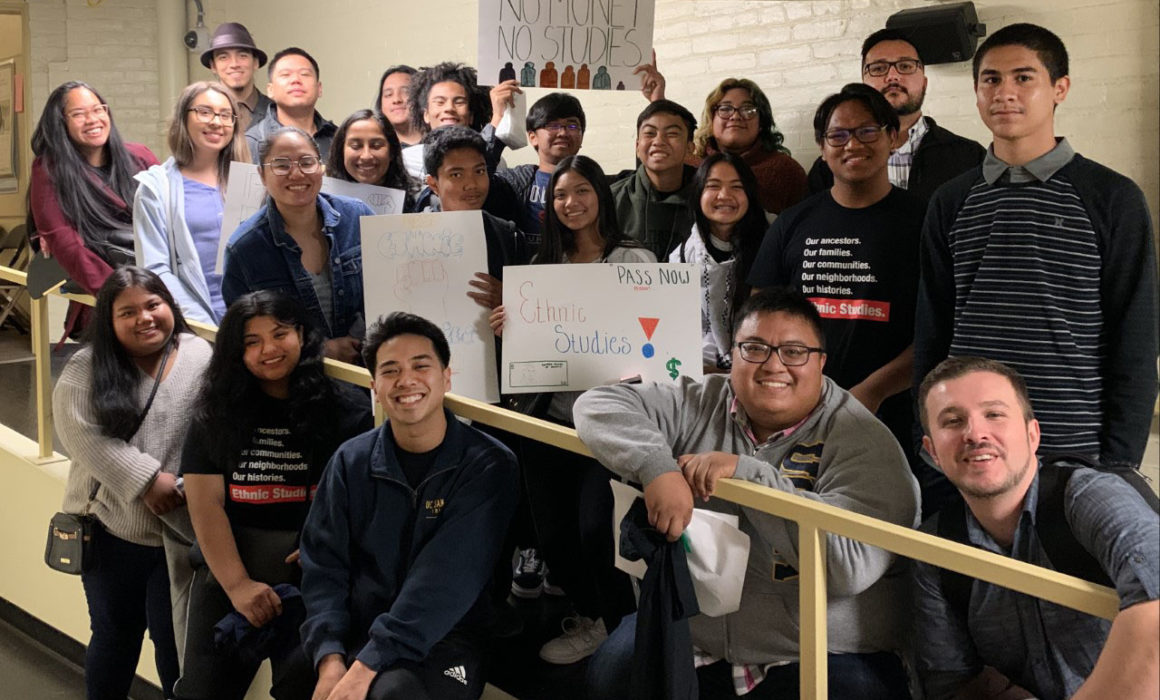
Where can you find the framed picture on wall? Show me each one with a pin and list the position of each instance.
(8, 145)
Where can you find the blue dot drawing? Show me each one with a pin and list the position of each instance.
(647, 350)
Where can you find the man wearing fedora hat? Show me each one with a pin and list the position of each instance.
(232, 57)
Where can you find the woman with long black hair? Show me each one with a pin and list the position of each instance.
(265, 425)
(81, 194)
(366, 149)
(120, 406)
(727, 233)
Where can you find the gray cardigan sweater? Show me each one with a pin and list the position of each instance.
(842, 455)
(126, 469)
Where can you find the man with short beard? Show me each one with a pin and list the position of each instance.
(925, 155)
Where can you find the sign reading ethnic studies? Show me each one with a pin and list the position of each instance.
(564, 44)
(573, 327)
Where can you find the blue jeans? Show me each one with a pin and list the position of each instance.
(127, 591)
(875, 676)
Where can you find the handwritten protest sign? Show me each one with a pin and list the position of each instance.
(572, 327)
(421, 263)
(565, 44)
(245, 195)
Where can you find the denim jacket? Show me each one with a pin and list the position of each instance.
(261, 255)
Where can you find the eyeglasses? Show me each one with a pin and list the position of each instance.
(726, 112)
(557, 127)
(866, 134)
(791, 355)
(906, 66)
(80, 116)
(308, 165)
(205, 115)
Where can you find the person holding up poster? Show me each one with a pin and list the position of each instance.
(303, 243)
(177, 212)
(366, 149)
(569, 495)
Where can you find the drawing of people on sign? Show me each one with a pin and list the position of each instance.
(507, 72)
(583, 77)
(568, 79)
(548, 76)
(602, 80)
(620, 85)
(528, 75)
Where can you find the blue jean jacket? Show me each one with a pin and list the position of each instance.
(261, 255)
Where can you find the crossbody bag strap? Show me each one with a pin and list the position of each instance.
(140, 418)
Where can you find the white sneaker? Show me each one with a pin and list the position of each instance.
(581, 637)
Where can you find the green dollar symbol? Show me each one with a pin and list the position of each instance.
(672, 366)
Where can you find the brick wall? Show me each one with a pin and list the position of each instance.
(113, 47)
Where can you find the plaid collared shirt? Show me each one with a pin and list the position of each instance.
(898, 167)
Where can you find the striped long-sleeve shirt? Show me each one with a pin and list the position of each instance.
(1051, 269)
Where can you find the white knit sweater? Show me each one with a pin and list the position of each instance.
(125, 469)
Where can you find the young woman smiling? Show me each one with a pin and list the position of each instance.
(265, 425)
(177, 213)
(80, 194)
(125, 442)
(725, 239)
(366, 149)
(302, 243)
(568, 494)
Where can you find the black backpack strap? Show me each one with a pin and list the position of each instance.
(951, 523)
(1063, 550)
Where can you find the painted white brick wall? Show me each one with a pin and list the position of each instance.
(113, 47)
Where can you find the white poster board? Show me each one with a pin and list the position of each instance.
(421, 263)
(245, 195)
(565, 45)
(573, 327)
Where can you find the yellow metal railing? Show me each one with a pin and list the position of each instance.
(815, 520)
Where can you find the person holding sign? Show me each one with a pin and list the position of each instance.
(177, 212)
(569, 496)
(303, 243)
(448, 94)
(265, 424)
(367, 150)
(725, 239)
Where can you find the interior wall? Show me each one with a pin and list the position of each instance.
(798, 51)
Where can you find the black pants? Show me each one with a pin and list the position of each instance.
(127, 591)
(571, 504)
(208, 674)
(453, 670)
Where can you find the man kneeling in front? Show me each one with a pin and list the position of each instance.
(775, 420)
(404, 535)
(989, 641)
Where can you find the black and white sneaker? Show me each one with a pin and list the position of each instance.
(528, 575)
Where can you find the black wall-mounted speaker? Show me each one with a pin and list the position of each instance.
(942, 34)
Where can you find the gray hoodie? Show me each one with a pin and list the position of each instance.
(841, 455)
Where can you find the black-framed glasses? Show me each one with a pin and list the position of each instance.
(790, 354)
(906, 66)
(557, 127)
(205, 115)
(726, 112)
(282, 166)
(866, 134)
(80, 116)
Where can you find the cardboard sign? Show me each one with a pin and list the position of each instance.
(246, 194)
(421, 263)
(573, 327)
(565, 44)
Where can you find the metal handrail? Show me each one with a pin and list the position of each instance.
(815, 520)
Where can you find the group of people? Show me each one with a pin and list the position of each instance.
(842, 346)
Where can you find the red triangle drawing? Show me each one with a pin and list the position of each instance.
(649, 325)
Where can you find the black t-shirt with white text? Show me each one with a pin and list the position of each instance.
(860, 269)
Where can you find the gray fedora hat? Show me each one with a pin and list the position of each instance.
(232, 35)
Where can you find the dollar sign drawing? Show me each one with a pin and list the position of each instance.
(672, 366)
